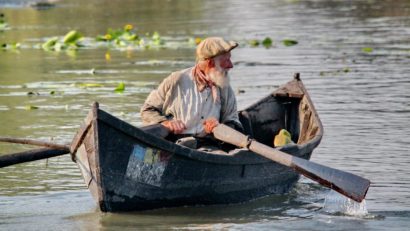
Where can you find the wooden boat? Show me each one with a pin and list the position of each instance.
(129, 168)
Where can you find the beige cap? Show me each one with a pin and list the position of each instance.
(213, 46)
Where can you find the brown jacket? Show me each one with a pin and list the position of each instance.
(178, 97)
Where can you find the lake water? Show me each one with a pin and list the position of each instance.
(353, 56)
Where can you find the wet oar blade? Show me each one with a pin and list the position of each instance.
(348, 184)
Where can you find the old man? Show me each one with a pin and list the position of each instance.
(193, 101)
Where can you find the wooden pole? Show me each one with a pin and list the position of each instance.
(31, 155)
(33, 142)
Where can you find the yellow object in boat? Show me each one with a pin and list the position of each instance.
(282, 138)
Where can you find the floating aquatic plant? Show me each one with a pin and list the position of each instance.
(88, 85)
(10, 46)
(198, 40)
(254, 42)
(128, 37)
(31, 93)
(56, 92)
(267, 42)
(120, 88)
(31, 107)
(289, 42)
(3, 24)
(157, 40)
(107, 56)
(194, 41)
(69, 41)
(72, 37)
(367, 49)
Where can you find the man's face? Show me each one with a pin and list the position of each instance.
(219, 73)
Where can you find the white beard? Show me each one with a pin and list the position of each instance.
(219, 77)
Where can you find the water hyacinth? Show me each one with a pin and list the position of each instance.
(128, 37)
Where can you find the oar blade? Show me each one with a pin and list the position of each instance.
(348, 184)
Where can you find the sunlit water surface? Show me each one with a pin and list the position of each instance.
(362, 97)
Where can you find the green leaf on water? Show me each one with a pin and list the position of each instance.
(156, 39)
(88, 85)
(367, 49)
(31, 107)
(156, 36)
(3, 23)
(31, 93)
(72, 37)
(120, 88)
(289, 42)
(254, 42)
(49, 44)
(267, 42)
(11, 46)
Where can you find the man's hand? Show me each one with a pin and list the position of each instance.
(210, 124)
(174, 126)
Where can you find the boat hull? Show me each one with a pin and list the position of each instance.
(128, 168)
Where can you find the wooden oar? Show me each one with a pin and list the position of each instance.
(32, 142)
(348, 184)
(31, 155)
(51, 150)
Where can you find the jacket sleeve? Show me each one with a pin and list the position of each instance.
(229, 111)
(152, 112)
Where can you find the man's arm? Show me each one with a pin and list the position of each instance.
(152, 112)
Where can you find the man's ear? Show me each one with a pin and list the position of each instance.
(211, 63)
